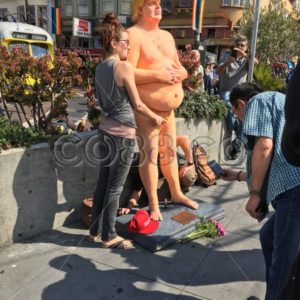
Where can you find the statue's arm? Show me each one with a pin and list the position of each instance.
(141, 76)
(180, 72)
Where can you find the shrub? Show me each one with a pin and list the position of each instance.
(26, 82)
(88, 75)
(12, 134)
(201, 105)
(264, 77)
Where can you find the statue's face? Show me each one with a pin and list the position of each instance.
(151, 9)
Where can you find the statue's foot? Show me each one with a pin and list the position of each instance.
(156, 215)
(185, 201)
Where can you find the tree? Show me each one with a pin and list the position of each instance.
(26, 82)
(277, 33)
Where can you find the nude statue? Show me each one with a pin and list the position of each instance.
(158, 75)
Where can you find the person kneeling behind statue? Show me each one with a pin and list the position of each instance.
(186, 172)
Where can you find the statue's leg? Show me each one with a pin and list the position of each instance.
(184, 143)
(168, 162)
(147, 137)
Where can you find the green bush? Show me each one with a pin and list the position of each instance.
(201, 106)
(13, 135)
(266, 80)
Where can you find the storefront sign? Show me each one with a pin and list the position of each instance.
(82, 28)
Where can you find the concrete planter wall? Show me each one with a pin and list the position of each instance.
(208, 134)
(42, 188)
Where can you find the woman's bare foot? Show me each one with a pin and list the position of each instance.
(117, 243)
(182, 199)
(93, 238)
(155, 214)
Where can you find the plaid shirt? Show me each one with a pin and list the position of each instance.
(264, 117)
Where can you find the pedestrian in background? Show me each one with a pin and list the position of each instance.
(233, 69)
(199, 72)
(211, 79)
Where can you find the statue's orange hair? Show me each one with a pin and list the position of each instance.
(136, 4)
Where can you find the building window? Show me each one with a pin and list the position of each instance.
(108, 6)
(31, 14)
(166, 4)
(21, 13)
(68, 8)
(125, 7)
(226, 2)
(42, 17)
(83, 43)
(211, 33)
(185, 3)
(166, 7)
(83, 8)
(4, 14)
(239, 3)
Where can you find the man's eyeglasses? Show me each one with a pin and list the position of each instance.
(124, 42)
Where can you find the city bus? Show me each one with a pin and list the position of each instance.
(32, 39)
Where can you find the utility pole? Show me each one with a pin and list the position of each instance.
(253, 41)
(26, 11)
(197, 39)
(49, 16)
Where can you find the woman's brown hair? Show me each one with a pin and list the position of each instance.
(110, 29)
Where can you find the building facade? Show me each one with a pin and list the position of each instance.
(220, 22)
(92, 11)
(31, 11)
(220, 18)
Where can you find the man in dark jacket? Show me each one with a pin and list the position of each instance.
(291, 133)
(290, 146)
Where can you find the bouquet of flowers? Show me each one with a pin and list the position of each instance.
(187, 60)
(191, 65)
(205, 228)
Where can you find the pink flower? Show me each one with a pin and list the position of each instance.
(220, 229)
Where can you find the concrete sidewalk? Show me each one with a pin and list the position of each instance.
(61, 264)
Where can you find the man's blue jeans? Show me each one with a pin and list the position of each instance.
(232, 123)
(280, 239)
(116, 154)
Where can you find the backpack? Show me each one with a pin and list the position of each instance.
(205, 174)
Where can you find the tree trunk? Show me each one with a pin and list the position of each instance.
(24, 114)
(18, 112)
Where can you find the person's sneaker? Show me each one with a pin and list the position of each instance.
(234, 154)
(253, 298)
(235, 150)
